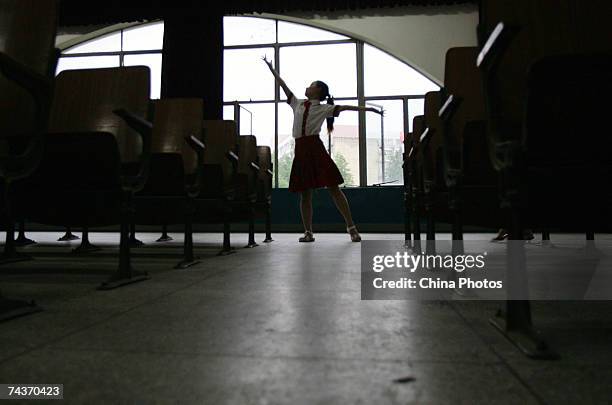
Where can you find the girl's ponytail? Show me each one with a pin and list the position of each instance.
(330, 120)
(330, 100)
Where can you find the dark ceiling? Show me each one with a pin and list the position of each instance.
(79, 12)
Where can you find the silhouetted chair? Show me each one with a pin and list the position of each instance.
(435, 197)
(27, 64)
(172, 185)
(470, 177)
(218, 181)
(263, 206)
(110, 154)
(513, 36)
(27, 61)
(243, 207)
(406, 171)
(416, 178)
(571, 187)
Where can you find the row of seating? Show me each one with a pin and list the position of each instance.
(448, 175)
(88, 148)
(515, 139)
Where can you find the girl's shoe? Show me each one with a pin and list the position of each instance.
(308, 237)
(355, 237)
(501, 235)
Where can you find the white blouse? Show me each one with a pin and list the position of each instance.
(308, 117)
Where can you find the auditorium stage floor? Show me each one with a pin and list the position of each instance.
(281, 323)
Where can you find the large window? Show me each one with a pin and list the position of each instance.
(134, 46)
(366, 147)
(366, 154)
(333, 64)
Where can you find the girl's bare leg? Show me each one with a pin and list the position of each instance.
(306, 209)
(342, 204)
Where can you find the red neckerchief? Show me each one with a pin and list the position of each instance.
(306, 108)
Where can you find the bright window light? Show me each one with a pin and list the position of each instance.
(154, 62)
(385, 75)
(248, 31)
(86, 62)
(144, 38)
(246, 77)
(290, 32)
(106, 43)
(334, 64)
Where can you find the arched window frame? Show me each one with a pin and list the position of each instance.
(362, 99)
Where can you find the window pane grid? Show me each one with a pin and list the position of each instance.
(289, 45)
(269, 119)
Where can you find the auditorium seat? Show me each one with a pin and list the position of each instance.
(94, 160)
(243, 207)
(172, 184)
(416, 177)
(27, 64)
(570, 188)
(406, 162)
(516, 35)
(218, 182)
(470, 176)
(521, 44)
(263, 205)
(430, 154)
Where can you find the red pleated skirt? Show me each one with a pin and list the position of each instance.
(312, 166)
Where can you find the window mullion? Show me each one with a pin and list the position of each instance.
(406, 120)
(276, 101)
(121, 53)
(363, 164)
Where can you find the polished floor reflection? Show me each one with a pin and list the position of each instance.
(280, 323)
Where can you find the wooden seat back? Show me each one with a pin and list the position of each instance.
(418, 126)
(433, 139)
(247, 165)
(220, 138)
(173, 162)
(31, 48)
(84, 101)
(175, 119)
(405, 160)
(464, 104)
(416, 172)
(516, 34)
(265, 175)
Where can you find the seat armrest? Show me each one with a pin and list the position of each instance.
(449, 107)
(233, 157)
(198, 147)
(145, 130)
(495, 45)
(40, 87)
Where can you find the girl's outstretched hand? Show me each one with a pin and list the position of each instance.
(381, 112)
(265, 59)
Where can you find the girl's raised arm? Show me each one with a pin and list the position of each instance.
(280, 81)
(341, 108)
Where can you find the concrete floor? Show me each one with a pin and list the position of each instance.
(279, 324)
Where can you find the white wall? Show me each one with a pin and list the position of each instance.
(418, 36)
